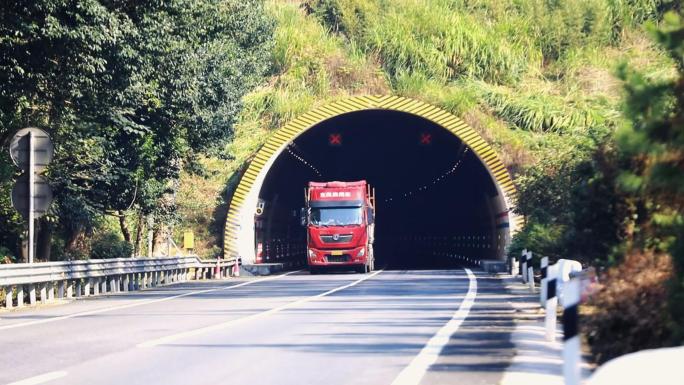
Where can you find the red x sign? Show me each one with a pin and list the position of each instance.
(425, 138)
(335, 139)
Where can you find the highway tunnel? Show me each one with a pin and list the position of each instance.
(436, 199)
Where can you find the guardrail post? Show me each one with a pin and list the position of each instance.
(20, 295)
(51, 291)
(126, 282)
(8, 297)
(112, 284)
(571, 341)
(43, 293)
(61, 289)
(69, 288)
(103, 284)
(32, 294)
(96, 285)
(87, 284)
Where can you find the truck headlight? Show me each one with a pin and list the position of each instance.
(312, 254)
(362, 252)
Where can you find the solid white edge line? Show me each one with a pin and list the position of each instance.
(233, 322)
(43, 378)
(414, 372)
(140, 303)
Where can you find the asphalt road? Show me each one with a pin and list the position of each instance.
(393, 327)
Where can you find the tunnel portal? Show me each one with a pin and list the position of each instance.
(440, 196)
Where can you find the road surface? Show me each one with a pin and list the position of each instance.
(389, 327)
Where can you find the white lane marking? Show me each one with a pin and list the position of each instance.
(140, 303)
(43, 378)
(233, 322)
(414, 372)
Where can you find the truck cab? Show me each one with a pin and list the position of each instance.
(340, 219)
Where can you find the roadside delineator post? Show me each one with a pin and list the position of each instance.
(236, 267)
(551, 305)
(530, 277)
(523, 265)
(514, 266)
(571, 341)
(542, 285)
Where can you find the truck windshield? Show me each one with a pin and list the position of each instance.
(336, 216)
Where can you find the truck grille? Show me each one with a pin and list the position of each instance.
(338, 258)
(343, 238)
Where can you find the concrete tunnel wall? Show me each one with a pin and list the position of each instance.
(239, 236)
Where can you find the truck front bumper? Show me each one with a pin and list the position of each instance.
(337, 257)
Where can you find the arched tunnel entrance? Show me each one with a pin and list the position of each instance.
(441, 191)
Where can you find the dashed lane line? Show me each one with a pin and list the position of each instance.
(43, 378)
(233, 322)
(140, 303)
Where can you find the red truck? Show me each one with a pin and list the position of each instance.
(340, 220)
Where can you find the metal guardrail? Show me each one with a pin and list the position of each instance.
(50, 280)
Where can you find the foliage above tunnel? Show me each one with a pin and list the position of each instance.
(533, 78)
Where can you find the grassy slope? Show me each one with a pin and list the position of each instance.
(530, 79)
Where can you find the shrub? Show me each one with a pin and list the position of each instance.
(109, 245)
(630, 310)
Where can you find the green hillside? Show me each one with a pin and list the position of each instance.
(535, 78)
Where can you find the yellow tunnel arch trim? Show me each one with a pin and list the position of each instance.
(299, 125)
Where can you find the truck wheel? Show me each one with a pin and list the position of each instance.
(361, 269)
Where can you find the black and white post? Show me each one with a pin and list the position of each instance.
(544, 267)
(551, 305)
(530, 271)
(571, 340)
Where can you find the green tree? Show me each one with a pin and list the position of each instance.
(653, 145)
(128, 90)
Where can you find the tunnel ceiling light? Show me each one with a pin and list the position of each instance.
(302, 160)
(438, 179)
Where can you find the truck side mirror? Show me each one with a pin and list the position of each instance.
(370, 215)
(302, 216)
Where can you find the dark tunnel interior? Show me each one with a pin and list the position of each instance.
(427, 182)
